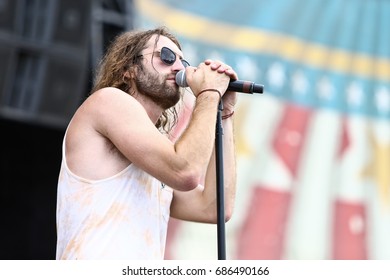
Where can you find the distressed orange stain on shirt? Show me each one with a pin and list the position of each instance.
(123, 217)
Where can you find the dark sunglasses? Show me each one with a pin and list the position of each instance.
(168, 56)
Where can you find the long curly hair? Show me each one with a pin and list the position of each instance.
(123, 55)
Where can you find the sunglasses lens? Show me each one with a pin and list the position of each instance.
(185, 63)
(168, 56)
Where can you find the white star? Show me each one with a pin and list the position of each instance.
(293, 138)
(247, 68)
(356, 224)
(299, 83)
(325, 88)
(276, 75)
(354, 94)
(382, 99)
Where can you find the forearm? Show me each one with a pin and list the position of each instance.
(196, 143)
(200, 204)
(229, 170)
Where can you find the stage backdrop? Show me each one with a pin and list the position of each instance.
(314, 149)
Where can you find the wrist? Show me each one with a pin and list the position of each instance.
(228, 115)
(216, 91)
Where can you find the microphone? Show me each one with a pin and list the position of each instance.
(234, 85)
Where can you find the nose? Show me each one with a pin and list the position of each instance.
(178, 65)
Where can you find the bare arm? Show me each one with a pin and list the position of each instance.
(125, 122)
(200, 204)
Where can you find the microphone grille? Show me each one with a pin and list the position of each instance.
(181, 78)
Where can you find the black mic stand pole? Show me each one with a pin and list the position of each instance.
(220, 185)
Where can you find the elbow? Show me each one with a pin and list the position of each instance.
(213, 216)
(229, 209)
(188, 181)
(228, 214)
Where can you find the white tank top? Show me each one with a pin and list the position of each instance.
(121, 217)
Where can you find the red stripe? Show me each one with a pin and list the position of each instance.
(349, 231)
(263, 232)
(345, 138)
(289, 136)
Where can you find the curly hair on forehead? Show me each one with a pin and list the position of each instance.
(123, 55)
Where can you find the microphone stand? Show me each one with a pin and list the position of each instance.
(220, 185)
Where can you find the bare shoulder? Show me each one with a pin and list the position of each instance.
(110, 95)
(105, 99)
(110, 108)
(98, 126)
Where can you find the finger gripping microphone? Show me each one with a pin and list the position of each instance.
(234, 85)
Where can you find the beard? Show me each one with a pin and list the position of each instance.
(155, 87)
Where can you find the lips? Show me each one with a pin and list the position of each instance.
(172, 79)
